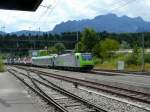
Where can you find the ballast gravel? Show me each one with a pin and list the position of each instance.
(104, 102)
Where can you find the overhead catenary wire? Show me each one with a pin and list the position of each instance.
(126, 3)
(42, 16)
(36, 16)
(117, 4)
(48, 13)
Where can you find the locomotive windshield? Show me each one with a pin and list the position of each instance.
(87, 57)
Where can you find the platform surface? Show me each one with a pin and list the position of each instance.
(13, 97)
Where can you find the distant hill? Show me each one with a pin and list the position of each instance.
(26, 32)
(2, 33)
(109, 22)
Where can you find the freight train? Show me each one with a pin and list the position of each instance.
(69, 61)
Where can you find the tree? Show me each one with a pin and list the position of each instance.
(60, 47)
(88, 39)
(125, 45)
(43, 53)
(52, 50)
(107, 47)
(79, 47)
(1, 65)
(134, 58)
(97, 49)
(57, 48)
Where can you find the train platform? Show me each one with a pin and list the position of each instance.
(13, 97)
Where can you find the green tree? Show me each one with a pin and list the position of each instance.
(134, 58)
(147, 58)
(52, 50)
(60, 47)
(97, 49)
(43, 53)
(79, 47)
(125, 45)
(1, 65)
(107, 47)
(57, 48)
(88, 39)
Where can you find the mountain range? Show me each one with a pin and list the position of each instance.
(26, 32)
(108, 22)
(2, 33)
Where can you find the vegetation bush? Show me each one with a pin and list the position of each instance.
(97, 60)
(132, 60)
(58, 48)
(1, 65)
(147, 58)
(107, 47)
(135, 57)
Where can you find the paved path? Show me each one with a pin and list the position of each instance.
(13, 97)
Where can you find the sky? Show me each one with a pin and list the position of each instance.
(53, 12)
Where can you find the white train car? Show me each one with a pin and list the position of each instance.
(45, 61)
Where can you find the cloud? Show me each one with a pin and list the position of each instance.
(64, 10)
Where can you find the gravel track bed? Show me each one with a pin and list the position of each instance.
(41, 103)
(67, 102)
(116, 80)
(131, 82)
(103, 102)
(38, 101)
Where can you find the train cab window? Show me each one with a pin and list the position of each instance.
(87, 57)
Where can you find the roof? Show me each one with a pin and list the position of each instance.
(44, 57)
(24, 5)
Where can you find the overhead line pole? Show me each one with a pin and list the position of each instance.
(77, 40)
(39, 37)
(143, 53)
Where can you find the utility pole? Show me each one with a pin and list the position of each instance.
(77, 40)
(143, 52)
(39, 30)
(33, 41)
(39, 37)
(3, 30)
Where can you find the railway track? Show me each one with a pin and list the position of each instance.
(60, 98)
(117, 72)
(126, 93)
(104, 72)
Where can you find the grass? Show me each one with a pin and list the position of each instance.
(147, 67)
(105, 66)
(111, 64)
(1, 66)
